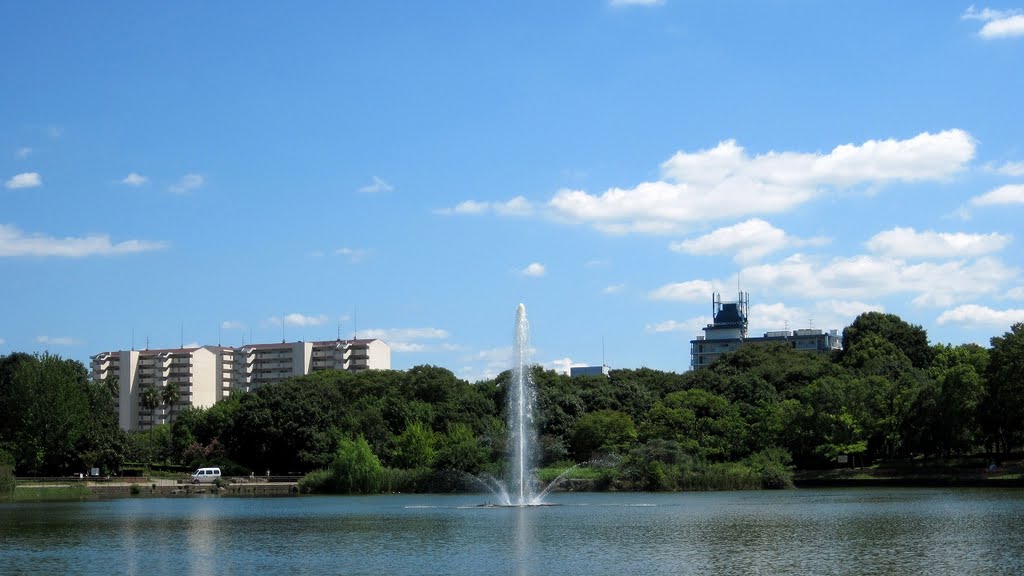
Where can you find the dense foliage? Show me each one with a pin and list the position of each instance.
(744, 421)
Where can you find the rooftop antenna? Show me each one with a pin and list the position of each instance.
(182, 333)
(220, 330)
(147, 342)
(355, 324)
(282, 329)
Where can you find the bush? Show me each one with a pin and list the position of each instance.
(355, 469)
(722, 476)
(7, 485)
(315, 482)
(773, 467)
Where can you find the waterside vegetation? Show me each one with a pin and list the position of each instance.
(749, 420)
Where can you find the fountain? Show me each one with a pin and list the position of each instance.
(520, 488)
(520, 417)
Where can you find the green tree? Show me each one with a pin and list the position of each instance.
(461, 450)
(1003, 408)
(910, 339)
(170, 396)
(150, 398)
(356, 469)
(415, 447)
(704, 424)
(603, 432)
(59, 421)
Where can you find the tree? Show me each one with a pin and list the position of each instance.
(460, 450)
(1003, 408)
(170, 396)
(415, 447)
(150, 398)
(603, 432)
(704, 424)
(58, 422)
(356, 469)
(910, 339)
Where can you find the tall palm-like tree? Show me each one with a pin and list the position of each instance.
(150, 401)
(170, 395)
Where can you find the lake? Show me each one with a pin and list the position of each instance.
(831, 531)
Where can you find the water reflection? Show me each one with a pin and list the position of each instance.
(523, 539)
(837, 532)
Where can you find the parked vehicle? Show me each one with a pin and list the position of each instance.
(205, 475)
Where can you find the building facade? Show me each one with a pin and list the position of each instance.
(580, 371)
(154, 385)
(728, 333)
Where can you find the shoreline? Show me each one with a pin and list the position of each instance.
(75, 490)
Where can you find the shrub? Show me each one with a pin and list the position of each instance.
(773, 467)
(315, 482)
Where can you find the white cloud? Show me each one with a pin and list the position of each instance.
(724, 182)
(998, 23)
(1015, 293)
(411, 339)
(908, 243)
(355, 255)
(378, 186)
(613, 289)
(691, 326)
(535, 269)
(471, 207)
(749, 240)
(134, 179)
(562, 365)
(1012, 169)
(14, 242)
(232, 325)
(56, 341)
(868, 276)
(23, 152)
(187, 183)
(1009, 194)
(405, 334)
(518, 206)
(495, 361)
(824, 315)
(301, 320)
(689, 291)
(24, 180)
(972, 315)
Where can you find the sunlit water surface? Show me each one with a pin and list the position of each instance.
(848, 531)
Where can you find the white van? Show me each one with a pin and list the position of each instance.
(205, 475)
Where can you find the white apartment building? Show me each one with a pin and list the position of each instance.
(207, 374)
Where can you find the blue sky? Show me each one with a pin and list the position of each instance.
(203, 172)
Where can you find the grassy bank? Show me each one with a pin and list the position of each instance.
(35, 493)
(953, 472)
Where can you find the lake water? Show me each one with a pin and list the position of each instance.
(839, 531)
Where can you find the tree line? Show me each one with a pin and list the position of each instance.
(759, 411)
